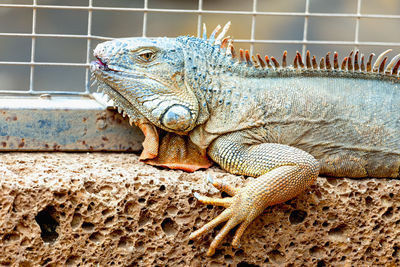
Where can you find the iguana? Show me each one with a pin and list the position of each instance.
(197, 99)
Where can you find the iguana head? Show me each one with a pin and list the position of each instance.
(145, 77)
(159, 79)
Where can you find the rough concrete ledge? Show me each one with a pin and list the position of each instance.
(109, 209)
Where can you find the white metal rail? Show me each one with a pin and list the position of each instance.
(199, 11)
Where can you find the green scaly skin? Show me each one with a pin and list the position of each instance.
(284, 125)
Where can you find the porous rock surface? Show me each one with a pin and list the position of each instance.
(105, 209)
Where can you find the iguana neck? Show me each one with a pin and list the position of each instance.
(215, 78)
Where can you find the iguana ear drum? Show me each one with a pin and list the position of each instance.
(177, 118)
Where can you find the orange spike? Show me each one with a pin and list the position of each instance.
(322, 64)
(362, 63)
(255, 62)
(344, 64)
(224, 42)
(314, 63)
(299, 59)
(396, 67)
(268, 63)
(233, 52)
(262, 63)
(284, 59)
(328, 61)
(356, 66)
(335, 61)
(382, 66)
(295, 62)
(308, 59)
(276, 63)
(350, 62)
(247, 55)
(241, 55)
(369, 63)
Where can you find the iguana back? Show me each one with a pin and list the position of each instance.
(350, 123)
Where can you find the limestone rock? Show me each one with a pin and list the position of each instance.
(105, 209)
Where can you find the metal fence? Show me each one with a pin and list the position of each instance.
(203, 8)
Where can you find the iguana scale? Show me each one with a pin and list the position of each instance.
(196, 99)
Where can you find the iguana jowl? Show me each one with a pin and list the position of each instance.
(196, 98)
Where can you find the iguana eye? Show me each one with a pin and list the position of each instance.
(146, 56)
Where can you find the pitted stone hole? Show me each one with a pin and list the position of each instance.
(46, 219)
(10, 238)
(218, 254)
(60, 195)
(223, 195)
(276, 256)
(139, 245)
(45, 262)
(321, 263)
(123, 242)
(388, 213)
(129, 207)
(106, 212)
(89, 186)
(150, 202)
(191, 200)
(141, 200)
(143, 218)
(76, 220)
(169, 226)
(117, 234)
(172, 211)
(162, 188)
(72, 261)
(325, 208)
(368, 201)
(96, 237)
(108, 220)
(106, 188)
(228, 259)
(338, 231)
(396, 251)
(316, 251)
(90, 206)
(332, 181)
(239, 253)
(87, 226)
(246, 264)
(297, 216)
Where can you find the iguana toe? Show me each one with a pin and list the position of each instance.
(240, 209)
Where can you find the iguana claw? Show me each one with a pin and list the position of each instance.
(239, 210)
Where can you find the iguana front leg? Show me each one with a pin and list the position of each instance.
(283, 172)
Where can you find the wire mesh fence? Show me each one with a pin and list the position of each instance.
(46, 45)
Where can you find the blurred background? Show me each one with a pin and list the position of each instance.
(287, 24)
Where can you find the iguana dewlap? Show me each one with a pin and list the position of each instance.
(196, 99)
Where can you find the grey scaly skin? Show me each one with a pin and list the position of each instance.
(282, 124)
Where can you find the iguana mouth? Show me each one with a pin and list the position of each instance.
(102, 65)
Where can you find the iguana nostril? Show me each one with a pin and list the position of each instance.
(177, 118)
